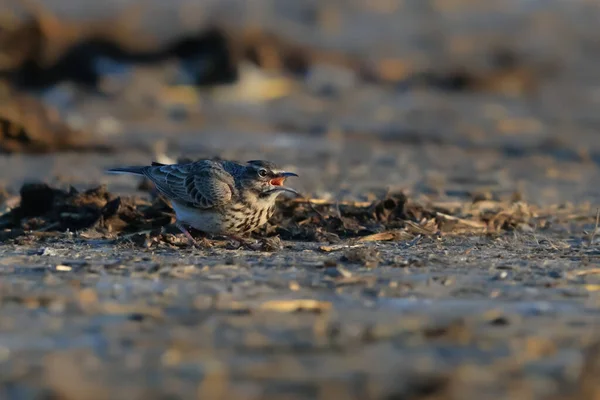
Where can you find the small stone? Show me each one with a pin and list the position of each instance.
(87, 297)
(337, 272)
(46, 251)
(365, 256)
(556, 274)
(500, 276)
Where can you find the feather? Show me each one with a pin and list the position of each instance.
(203, 184)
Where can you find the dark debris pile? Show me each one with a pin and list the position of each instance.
(100, 214)
(46, 209)
(396, 217)
(333, 222)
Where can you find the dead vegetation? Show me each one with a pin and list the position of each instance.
(96, 213)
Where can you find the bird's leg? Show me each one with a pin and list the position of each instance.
(188, 235)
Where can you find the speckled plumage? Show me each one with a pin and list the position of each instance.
(218, 197)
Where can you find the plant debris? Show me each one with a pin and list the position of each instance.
(46, 209)
(295, 305)
(96, 213)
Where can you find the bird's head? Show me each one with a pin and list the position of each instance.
(266, 180)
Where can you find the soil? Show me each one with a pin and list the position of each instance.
(448, 245)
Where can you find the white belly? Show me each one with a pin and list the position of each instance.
(207, 221)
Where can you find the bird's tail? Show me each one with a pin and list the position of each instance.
(127, 170)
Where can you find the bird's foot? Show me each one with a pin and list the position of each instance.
(244, 243)
(203, 243)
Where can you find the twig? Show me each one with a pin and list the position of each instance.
(325, 202)
(312, 207)
(593, 236)
(49, 227)
(302, 199)
(413, 242)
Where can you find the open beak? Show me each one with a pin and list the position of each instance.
(279, 179)
(285, 174)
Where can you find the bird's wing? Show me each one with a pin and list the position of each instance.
(203, 184)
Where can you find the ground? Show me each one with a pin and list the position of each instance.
(453, 251)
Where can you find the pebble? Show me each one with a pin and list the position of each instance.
(337, 272)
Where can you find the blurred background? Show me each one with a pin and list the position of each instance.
(442, 98)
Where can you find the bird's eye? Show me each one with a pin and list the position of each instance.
(262, 172)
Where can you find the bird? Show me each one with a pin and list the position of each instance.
(219, 197)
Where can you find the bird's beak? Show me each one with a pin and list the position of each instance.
(286, 189)
(279, 179)
(285, 174)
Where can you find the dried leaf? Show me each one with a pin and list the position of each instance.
(329, 249)
(471, 224)
(296, 305)
(583, 272)
(388, 235)
(415, 228)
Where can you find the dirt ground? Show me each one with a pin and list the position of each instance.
(452, 249)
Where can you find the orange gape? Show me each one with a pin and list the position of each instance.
(277, 181)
